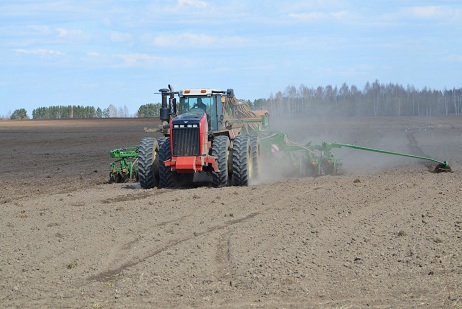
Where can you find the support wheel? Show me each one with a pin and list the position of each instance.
(242, 161)
(148, 172)
(220, 150)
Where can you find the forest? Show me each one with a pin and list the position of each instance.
(373, 100)
(77, 111)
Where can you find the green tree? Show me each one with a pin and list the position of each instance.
(19, 114)
(149, 110)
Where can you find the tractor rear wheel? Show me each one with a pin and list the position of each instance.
(148, 163)
(242, 161)
(220, 150)
(167, 178)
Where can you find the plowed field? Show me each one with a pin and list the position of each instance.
(387, 233)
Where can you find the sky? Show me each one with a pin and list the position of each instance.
(101, 52)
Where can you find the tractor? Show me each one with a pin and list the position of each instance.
(211, 137)
(208, 137)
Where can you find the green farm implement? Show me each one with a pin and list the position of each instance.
(318, 160)
(442, 166)
(294, 158)
(211, 137)
(125, 167)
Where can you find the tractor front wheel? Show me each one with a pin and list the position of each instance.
(167, 178)
(148, 163)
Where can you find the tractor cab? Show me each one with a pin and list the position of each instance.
(203, 101)
(193, 103)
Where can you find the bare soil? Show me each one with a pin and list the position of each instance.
(387, 233)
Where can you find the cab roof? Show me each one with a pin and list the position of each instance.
(200, 91)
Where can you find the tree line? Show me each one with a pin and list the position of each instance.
(70, 111)
(374, 100)
(77, 111)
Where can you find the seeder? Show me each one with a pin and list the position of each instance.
(318, 160)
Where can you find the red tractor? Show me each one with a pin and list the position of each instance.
(207, 138)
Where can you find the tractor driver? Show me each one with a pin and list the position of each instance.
(200, 104)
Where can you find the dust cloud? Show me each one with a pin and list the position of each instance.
(403, 135)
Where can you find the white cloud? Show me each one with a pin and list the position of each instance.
(93, 54)
(315, 4)
(319, 16)
(135, 60)
(199, 40)
(193, 3)
(184, 39)
(70, 34)
(312, 16)
(149, 60)
(182, 7)
(39, 52)
(97, 59)
(432, 12)
(340, 14)
(40, 29)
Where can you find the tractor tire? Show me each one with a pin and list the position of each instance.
(167, 178)
(242, 161)
(148, 163)
(256, 156)
(220, 150)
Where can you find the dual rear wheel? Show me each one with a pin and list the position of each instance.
(242, 167)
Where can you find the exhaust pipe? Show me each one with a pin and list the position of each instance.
(164, 110)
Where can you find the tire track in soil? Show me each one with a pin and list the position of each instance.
(112, 274)
(224, 256)
(416, 150)
(414, 145)
(119, 253)
(131, 197)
